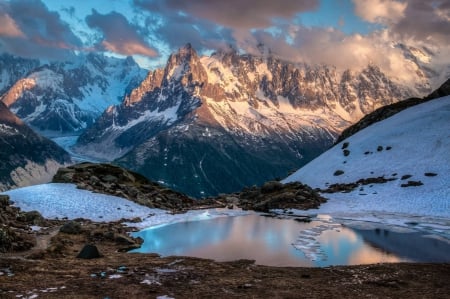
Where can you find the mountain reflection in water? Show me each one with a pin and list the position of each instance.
(268, 241)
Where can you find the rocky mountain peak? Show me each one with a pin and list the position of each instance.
(185, 66)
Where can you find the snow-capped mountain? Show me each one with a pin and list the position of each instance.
(14, 68)
(398, 165)
(63, 97)
(214, 124)
(25, 157)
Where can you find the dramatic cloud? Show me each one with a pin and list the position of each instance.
(119, 35)
(233, 13)
(8, 27)
(380, 11)
(177, 30)
(29, 29)
(416, 19)
(425, 20)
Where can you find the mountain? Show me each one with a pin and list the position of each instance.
(207, 125)
(64, 97)
(13, 68)
(398, 165)
(25, 157)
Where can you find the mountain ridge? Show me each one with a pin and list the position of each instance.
(216, 120)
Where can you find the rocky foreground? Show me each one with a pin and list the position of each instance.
(44, 264)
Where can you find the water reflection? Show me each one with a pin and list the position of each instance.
(269, 241)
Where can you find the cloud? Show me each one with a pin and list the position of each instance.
(425, 20)
(236, 14)
(380, 11)
(29, 29)
(413, 19)
(8, 27)
(119, 35)
(177, 30)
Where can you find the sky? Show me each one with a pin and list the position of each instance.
(343, 33)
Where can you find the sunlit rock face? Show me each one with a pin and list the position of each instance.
(206, 125)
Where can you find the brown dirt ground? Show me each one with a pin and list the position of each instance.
(52, 270)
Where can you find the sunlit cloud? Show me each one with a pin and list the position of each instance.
(34, 31)
(232, 13)
(118, 35)
(8, 27)
(380, 11)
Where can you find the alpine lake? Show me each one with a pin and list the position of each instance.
(290, 241)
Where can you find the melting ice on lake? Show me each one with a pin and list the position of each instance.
(286, 242)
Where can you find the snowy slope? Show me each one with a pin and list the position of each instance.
(65, 200)
(419, 142)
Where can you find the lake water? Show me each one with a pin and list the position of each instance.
(286, 242)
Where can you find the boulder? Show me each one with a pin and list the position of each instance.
(71, 227)
(89, 251)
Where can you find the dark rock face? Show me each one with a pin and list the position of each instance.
(217, 124)
(20, 146)
(389, 110)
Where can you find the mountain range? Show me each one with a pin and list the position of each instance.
(212, 124)
(202, 125)
(65, 97)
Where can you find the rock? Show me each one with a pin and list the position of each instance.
(122, 239)
(405, 177)
(4, 201)
(89, 252)
(33, 217)
(430, 174)
(71, 227)
(338, 172)
(110, 178)
(412, 184)
(271, 186)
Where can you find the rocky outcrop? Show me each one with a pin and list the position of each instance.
(389, 110)
(275, 195)
(15, 231)
(114, 180)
